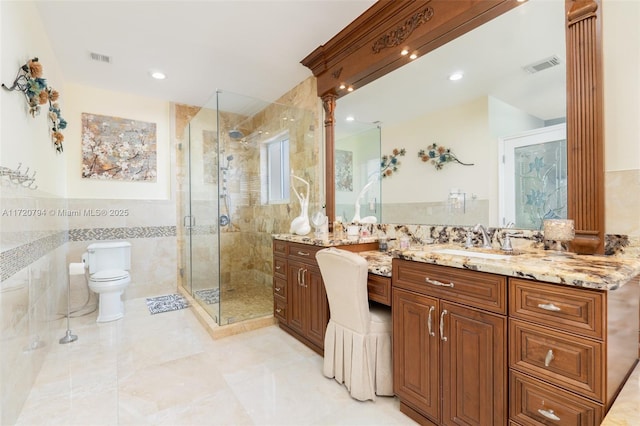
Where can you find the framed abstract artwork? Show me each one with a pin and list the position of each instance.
(344, 170)
(116, 148)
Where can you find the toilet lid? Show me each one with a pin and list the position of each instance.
(109, 275)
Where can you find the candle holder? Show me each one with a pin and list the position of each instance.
(558, 231)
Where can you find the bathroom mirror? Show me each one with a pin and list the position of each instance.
(371, 47)
(515, 86)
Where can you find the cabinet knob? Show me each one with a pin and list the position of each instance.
(549, 414)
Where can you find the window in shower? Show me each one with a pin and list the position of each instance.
(275, 155)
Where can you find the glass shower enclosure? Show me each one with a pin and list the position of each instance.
(227, 208)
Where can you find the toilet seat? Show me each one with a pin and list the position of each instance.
(109, 275)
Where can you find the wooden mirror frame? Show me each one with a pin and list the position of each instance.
(369, 48)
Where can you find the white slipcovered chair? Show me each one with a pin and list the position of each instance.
(357, 343)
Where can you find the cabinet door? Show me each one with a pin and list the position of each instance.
(416, 372)
(296, 295)
(316, 306)
(474, 366)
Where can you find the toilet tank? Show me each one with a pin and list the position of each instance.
(111, 255)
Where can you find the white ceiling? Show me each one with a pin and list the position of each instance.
(492, 58)
(251, 48)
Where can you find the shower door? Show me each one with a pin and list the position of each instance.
(200, 267)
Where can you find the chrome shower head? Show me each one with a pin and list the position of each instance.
(236, 134)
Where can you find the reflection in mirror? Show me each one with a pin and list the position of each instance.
(513, 81)
(357, 171)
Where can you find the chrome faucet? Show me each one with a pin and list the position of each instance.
(486, 243)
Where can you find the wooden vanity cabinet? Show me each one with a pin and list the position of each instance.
(570, 351)
(299, 297)
(449, 344)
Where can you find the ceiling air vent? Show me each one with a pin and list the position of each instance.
(543, 64)
(100, 58)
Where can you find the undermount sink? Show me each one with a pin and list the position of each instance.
(469, 253)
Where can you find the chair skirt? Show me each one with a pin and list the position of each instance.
(361, 362)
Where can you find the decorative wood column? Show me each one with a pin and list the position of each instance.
(585, 133)
(329, 104)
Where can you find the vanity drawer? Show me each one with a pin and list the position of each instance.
(573, 362)
(561, 307)
(279, 267)
(280, 247)
(379, 289)
(280, 309)
(477, 289)
(533, 402)
(280, 287)
(303, 252)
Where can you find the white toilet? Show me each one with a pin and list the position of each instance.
(109, 265)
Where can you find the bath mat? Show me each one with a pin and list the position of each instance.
(208, 295)
(168, 303)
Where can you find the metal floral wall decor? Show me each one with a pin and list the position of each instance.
(438, 155)
(30, 82)
(116, 148)
(390, 163)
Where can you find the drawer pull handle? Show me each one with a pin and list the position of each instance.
(279, 310)
(548, 307)
(278, 289)
(301, 253)
(549, 414)
(548, 358)
(431, 333)
(442, 336)
(277, 267)
(438, 283)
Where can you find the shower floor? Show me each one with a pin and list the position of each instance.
(240, 303)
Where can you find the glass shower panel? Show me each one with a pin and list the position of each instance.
(202, 221)
(229, 211)
(250, 130)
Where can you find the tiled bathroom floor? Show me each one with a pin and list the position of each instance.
(164, 369)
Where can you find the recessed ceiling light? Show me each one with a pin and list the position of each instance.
(404, 52)
(456, 76)
(350, 89)
(158, 75)
(413, 56)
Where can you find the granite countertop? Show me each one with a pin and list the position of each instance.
(589, 271)
(329, 242)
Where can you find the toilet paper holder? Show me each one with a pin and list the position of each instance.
(74, 269)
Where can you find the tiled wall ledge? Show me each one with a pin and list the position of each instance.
(15, 258)
(91, 234)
